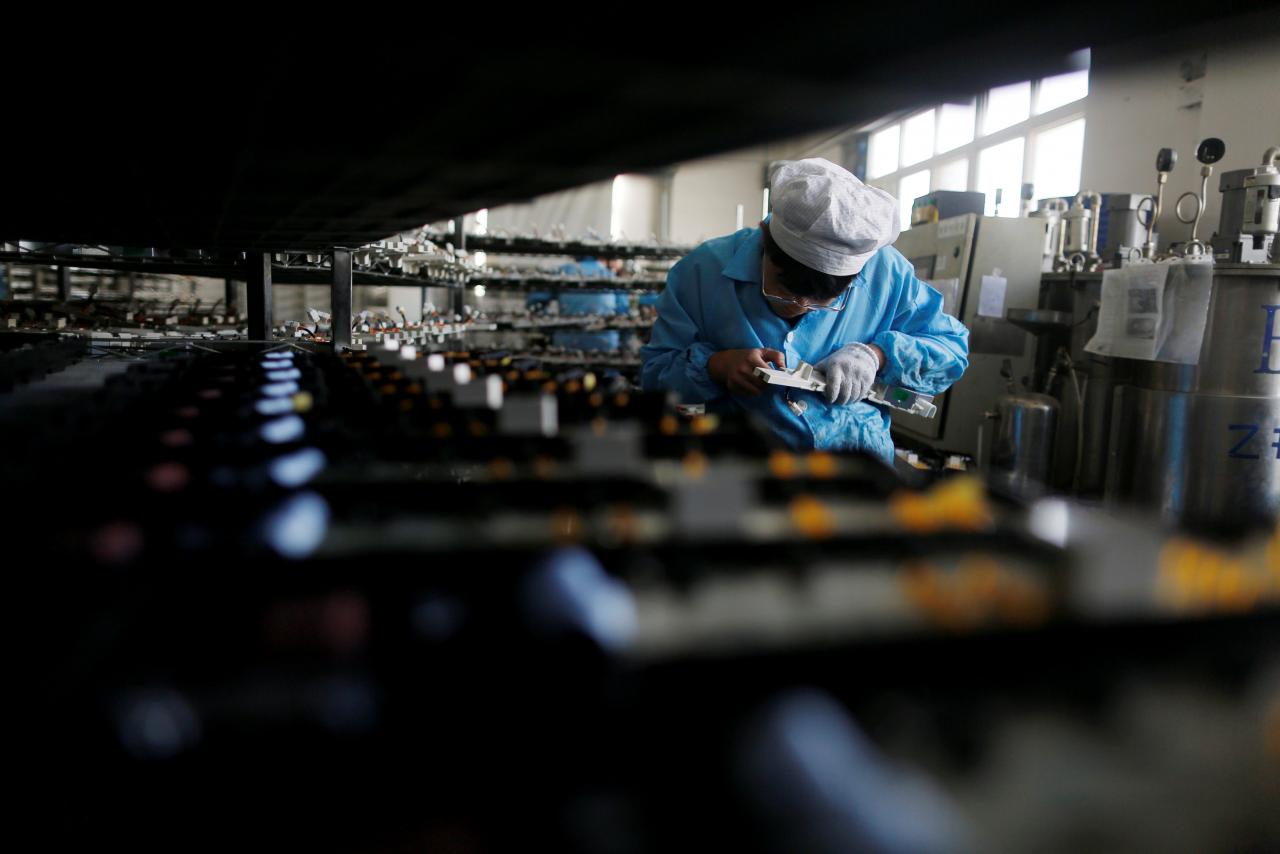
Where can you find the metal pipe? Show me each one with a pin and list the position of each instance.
(1270, 155)
(1092, 249)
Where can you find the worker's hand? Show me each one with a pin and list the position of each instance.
(850, 371)
(735, 369)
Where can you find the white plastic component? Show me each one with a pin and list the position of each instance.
(803, 377)
(806, 378)
(529, 414)
(482, 392)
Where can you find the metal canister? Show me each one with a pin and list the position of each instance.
(1022, 447)
(1201, 443)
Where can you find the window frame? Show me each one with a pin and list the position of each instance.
(1026, 129)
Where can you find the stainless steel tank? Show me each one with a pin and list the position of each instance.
(1021, 460)
(1079, 463)
(1201, 443)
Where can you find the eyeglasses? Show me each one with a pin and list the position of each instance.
(838, 305)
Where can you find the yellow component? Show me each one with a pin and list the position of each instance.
(702, 425)
(668, 426)
(566, 525)
(544, 467)
(956, 503)
(812, 518)
(501, 468)
(695, 464)
(442, 430)
(822, 465)
(506, 360)
(589, 382)
(622, 400)
(782, 465)
(303, 401)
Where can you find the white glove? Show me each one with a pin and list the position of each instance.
(850, 371)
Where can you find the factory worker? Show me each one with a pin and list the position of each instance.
(575, 303)
(818, 282)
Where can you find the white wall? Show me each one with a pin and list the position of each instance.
(705, 195)
(636, 207)
(579, 209)
(1133, 110)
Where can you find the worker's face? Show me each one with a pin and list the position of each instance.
(769, 275)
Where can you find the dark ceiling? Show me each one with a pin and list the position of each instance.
(287, 136)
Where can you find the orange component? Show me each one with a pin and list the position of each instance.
(544, 467)
(822, 465)
(782, 465)
(702, 425)
(441, 430)
(812, 518)
(695, 464)
(668, 426)
(501, 468)
(956, 503)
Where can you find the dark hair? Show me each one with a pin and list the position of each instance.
(800, 280)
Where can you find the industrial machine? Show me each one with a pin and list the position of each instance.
(983, 266)
(1201, 442)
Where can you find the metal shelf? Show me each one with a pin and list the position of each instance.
(563, 283)
(574, 248)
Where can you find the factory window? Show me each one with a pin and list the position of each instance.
(955, 125)
(952, 175)
(1006, 106)
(1057, 153)
(1024, 133)
(1000, 176)
(909, 188)
(882, 158)
(1063, 89)
(917, 138)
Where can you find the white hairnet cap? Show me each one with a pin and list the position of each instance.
(826, 218)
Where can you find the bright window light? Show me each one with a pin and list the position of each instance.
(482, 221)
(955, 125)
(1060, 90)
(917, 138)
(883, 156)
(1006, 106)
(909, 188)
(1000, 168)
(1058, 155)
(952, 175)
